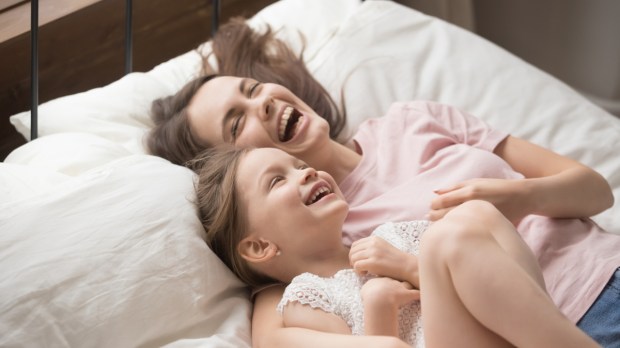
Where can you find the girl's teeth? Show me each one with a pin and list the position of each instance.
(317, 193)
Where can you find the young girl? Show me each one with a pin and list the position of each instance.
(271, 218)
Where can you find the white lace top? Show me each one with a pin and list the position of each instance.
(340, 294)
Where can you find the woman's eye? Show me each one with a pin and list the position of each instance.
(253, 87)
(235, 127)
(274, 181)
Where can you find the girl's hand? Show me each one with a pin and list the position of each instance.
(376, 256)
(382, 297)
(387, 292)
(509, 196)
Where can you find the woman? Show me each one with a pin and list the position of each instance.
(420, 159)
(477, 274)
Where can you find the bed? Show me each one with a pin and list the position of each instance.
(100, 243)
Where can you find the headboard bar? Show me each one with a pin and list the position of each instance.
(128, 36)
(215, 16)
(34, 67)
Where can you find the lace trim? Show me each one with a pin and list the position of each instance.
(405, 235)
(307, 289)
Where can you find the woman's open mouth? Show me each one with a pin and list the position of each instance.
(289, 123)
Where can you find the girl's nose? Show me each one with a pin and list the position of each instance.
(307, 174)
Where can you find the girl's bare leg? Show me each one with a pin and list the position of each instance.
(481, 286)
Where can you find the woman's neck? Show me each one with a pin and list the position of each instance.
(341, 160)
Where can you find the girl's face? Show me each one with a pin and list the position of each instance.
(246, 113)
(289, 203)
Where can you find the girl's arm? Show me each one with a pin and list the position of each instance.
(375, 255)
(382, 298)
(555, 186)
(268, 329)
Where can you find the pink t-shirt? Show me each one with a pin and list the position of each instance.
(421, 146)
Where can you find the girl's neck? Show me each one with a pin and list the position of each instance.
(328, 266)
(325, 264)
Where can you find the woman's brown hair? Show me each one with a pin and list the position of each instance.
(242, 52)
(219, 209)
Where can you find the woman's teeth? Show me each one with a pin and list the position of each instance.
(289, 123)
(284, 121)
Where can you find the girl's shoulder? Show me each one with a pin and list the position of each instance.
(405, 235)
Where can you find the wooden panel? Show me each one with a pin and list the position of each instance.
(85, 50)
(16, 19)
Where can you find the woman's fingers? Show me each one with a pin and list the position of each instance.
(435, 215)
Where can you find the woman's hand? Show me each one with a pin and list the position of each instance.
(376, 256)
(382, 297)
(508, 196)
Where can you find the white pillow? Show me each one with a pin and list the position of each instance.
(114, 258)
(68, 153)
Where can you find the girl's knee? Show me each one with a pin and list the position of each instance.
(476, 209)
(460, 230)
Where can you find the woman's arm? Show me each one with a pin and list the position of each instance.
(555, 186)
(268, 329)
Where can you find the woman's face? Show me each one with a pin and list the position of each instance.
(246, 113)
(289, 203)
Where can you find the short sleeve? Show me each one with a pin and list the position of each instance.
(404, 235)
(307, 289)
(463, 127)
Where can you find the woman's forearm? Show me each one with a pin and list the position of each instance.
(575, 192)
(556, 186)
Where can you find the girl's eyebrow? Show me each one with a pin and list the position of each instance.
(264, 174)
(231, 112)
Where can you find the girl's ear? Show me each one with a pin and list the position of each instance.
(257, 250)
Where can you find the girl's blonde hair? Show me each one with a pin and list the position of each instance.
(220, 212)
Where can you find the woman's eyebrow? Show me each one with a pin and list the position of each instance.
(231, 112)
(242, 85)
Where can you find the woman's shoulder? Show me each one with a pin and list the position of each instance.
(405, 111)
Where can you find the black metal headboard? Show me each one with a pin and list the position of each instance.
(34, 52)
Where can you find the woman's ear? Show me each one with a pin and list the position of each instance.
(257, 250)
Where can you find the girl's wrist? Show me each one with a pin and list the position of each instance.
(410, 271)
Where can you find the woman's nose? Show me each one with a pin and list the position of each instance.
(263, 107)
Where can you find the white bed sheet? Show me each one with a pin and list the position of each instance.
(100, 243)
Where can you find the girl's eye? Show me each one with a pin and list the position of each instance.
(274, 181)
(252, 88)
(235, 127)
(303, 166)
